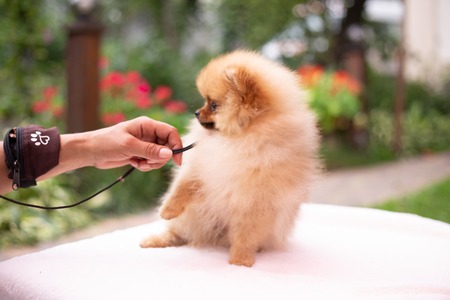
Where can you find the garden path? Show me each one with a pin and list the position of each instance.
(354, 187)
(372, 185)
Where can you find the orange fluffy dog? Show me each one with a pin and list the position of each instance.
(253, 164)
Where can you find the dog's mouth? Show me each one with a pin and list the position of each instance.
(208, 125)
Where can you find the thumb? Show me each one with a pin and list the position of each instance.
(153, 152)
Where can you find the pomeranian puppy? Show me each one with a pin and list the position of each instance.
(253, 164)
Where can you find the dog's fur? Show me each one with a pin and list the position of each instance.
(255, 159)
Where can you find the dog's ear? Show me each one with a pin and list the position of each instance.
(243, 83)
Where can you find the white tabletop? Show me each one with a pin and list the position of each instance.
(335, 253)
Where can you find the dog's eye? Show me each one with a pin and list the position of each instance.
(213, 106)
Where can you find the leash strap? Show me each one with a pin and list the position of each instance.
(120, 179)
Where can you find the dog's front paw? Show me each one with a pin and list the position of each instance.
(242, 261)
(242, 255)
(170, 211)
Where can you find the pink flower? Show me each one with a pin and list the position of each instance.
(144, 87)
(109, 119)
(175, 106)
(49, 93)
(40, 106)
(143, 103)
(162, 93)
(112, 80)
(133, 77)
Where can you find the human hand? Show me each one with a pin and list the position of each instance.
(142, 142)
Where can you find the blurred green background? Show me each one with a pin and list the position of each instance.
(151, 50)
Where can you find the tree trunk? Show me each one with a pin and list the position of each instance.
(399, 97)
(349, 55)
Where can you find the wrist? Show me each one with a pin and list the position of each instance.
(76, 151)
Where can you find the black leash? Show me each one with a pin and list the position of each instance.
(120, 179)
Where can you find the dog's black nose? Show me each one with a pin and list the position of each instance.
(197, 113)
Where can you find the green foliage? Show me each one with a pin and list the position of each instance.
(422, 133)
(138, 192)
(163, 20)
(333, 97)
(431, 202)
(426, 125)
(338, 153)
(253, 23)
(160, 66)
(332, 106)
(426, 122)
(380, 95)
(22, 225)
(27, 49)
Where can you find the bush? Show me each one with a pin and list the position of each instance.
(23, 225)
(381, 88)
(332, 95)
(421, 132)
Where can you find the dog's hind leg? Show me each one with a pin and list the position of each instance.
(167, 239)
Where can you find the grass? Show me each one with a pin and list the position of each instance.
(432, 202)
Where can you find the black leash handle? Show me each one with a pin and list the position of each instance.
(181, 150)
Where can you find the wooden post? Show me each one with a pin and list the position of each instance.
(82, 113)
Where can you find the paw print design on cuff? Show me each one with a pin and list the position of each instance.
(39, 139)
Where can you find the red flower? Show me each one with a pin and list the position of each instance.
(310, 74)
(175, 106)
(143, 103)
(343, 80)
(40, 106)
(57, 111)
(113, 118)
(144, 87)
(162, 93)
(113, 80)
(133, 77)
(49, 93)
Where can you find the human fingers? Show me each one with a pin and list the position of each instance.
(151, 152)
(144, 165)
(168, 135)
(159, 133)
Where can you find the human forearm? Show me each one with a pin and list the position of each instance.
(5, 182)
(75, 153)
(142, 142)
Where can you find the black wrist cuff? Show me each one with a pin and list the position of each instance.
(30, 152)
